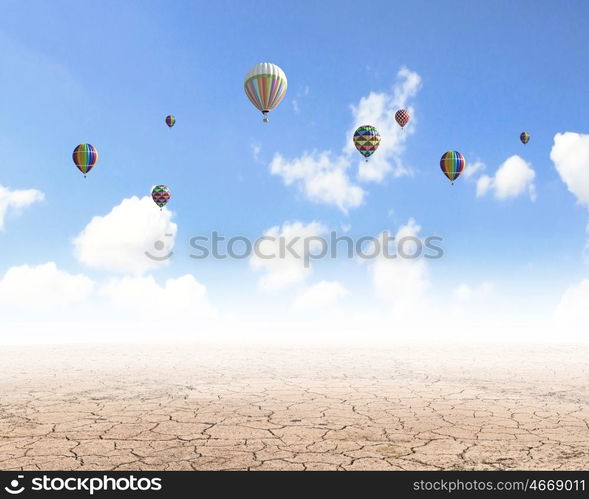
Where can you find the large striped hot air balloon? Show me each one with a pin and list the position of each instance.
(265, 86)
(402, 117)
(85, 157)
(366, 140)
(161, 195)
(170, 120)
(524, 137)
(452, 164)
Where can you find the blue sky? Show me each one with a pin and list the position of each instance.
(109, 72)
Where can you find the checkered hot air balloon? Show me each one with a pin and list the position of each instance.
(452, 164)
(402, 117)
(170, 120)
(366, 139)
(161, 195)
(524, 137)
(265, 86)
(85, 157)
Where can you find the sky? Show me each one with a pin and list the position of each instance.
(473, 75)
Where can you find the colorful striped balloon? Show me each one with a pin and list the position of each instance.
(85, 157)
(366, 140)
(402, 117)
(161, 195)
(452, 164)
(524, 137)
(170, 120)
(265, 86)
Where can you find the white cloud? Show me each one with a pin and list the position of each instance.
(183, 297)
(574, 306)
(570, 154)
(466, 293)
(378, 109)
(514, 177)
(320, 295)
(484, 183)
(324, 177)
(284, 269)
(299, 96)
(402, 282)
(256, 150)
(472, 169)
(119, 241)
(16, 200)
(42, 287)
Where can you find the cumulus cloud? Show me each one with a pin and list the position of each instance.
(324, 176)
(378, 109)
(570, 155)
(256, 150)
(298, 97)
(42, 287)
(472, 169)
(574, 305)
(281, 268)
(16, 200)
(119, 241)
(514, 177)
(402, 282)
(182, 297)
(320, 295)
(466, 293)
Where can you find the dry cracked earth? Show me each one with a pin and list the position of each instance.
(203, 407)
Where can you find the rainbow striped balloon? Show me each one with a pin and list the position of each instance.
(265, 86)
(170, 120)
(452, 164)
(85, 157)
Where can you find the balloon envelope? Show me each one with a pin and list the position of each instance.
(170, 120)
(265, 86)
(452, 164)
(85, 157)
(366, 140)
(161, 195)
(524, 137)
(402, 117)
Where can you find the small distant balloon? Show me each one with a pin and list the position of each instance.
(85, 157)
(265, 86)
(161, 195)
(524, 137)
(170, 120)
(402, 117)
(366, 139)
(452, 164)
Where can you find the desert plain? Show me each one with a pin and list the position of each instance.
(190, 406)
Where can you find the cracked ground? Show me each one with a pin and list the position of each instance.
(203, 407)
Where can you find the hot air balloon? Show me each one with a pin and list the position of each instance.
(524, 137)
(170, 120)
(452, 164)
(265, 86)
(85, 157)
(402, 116)
(161, 195)
(366, 140)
